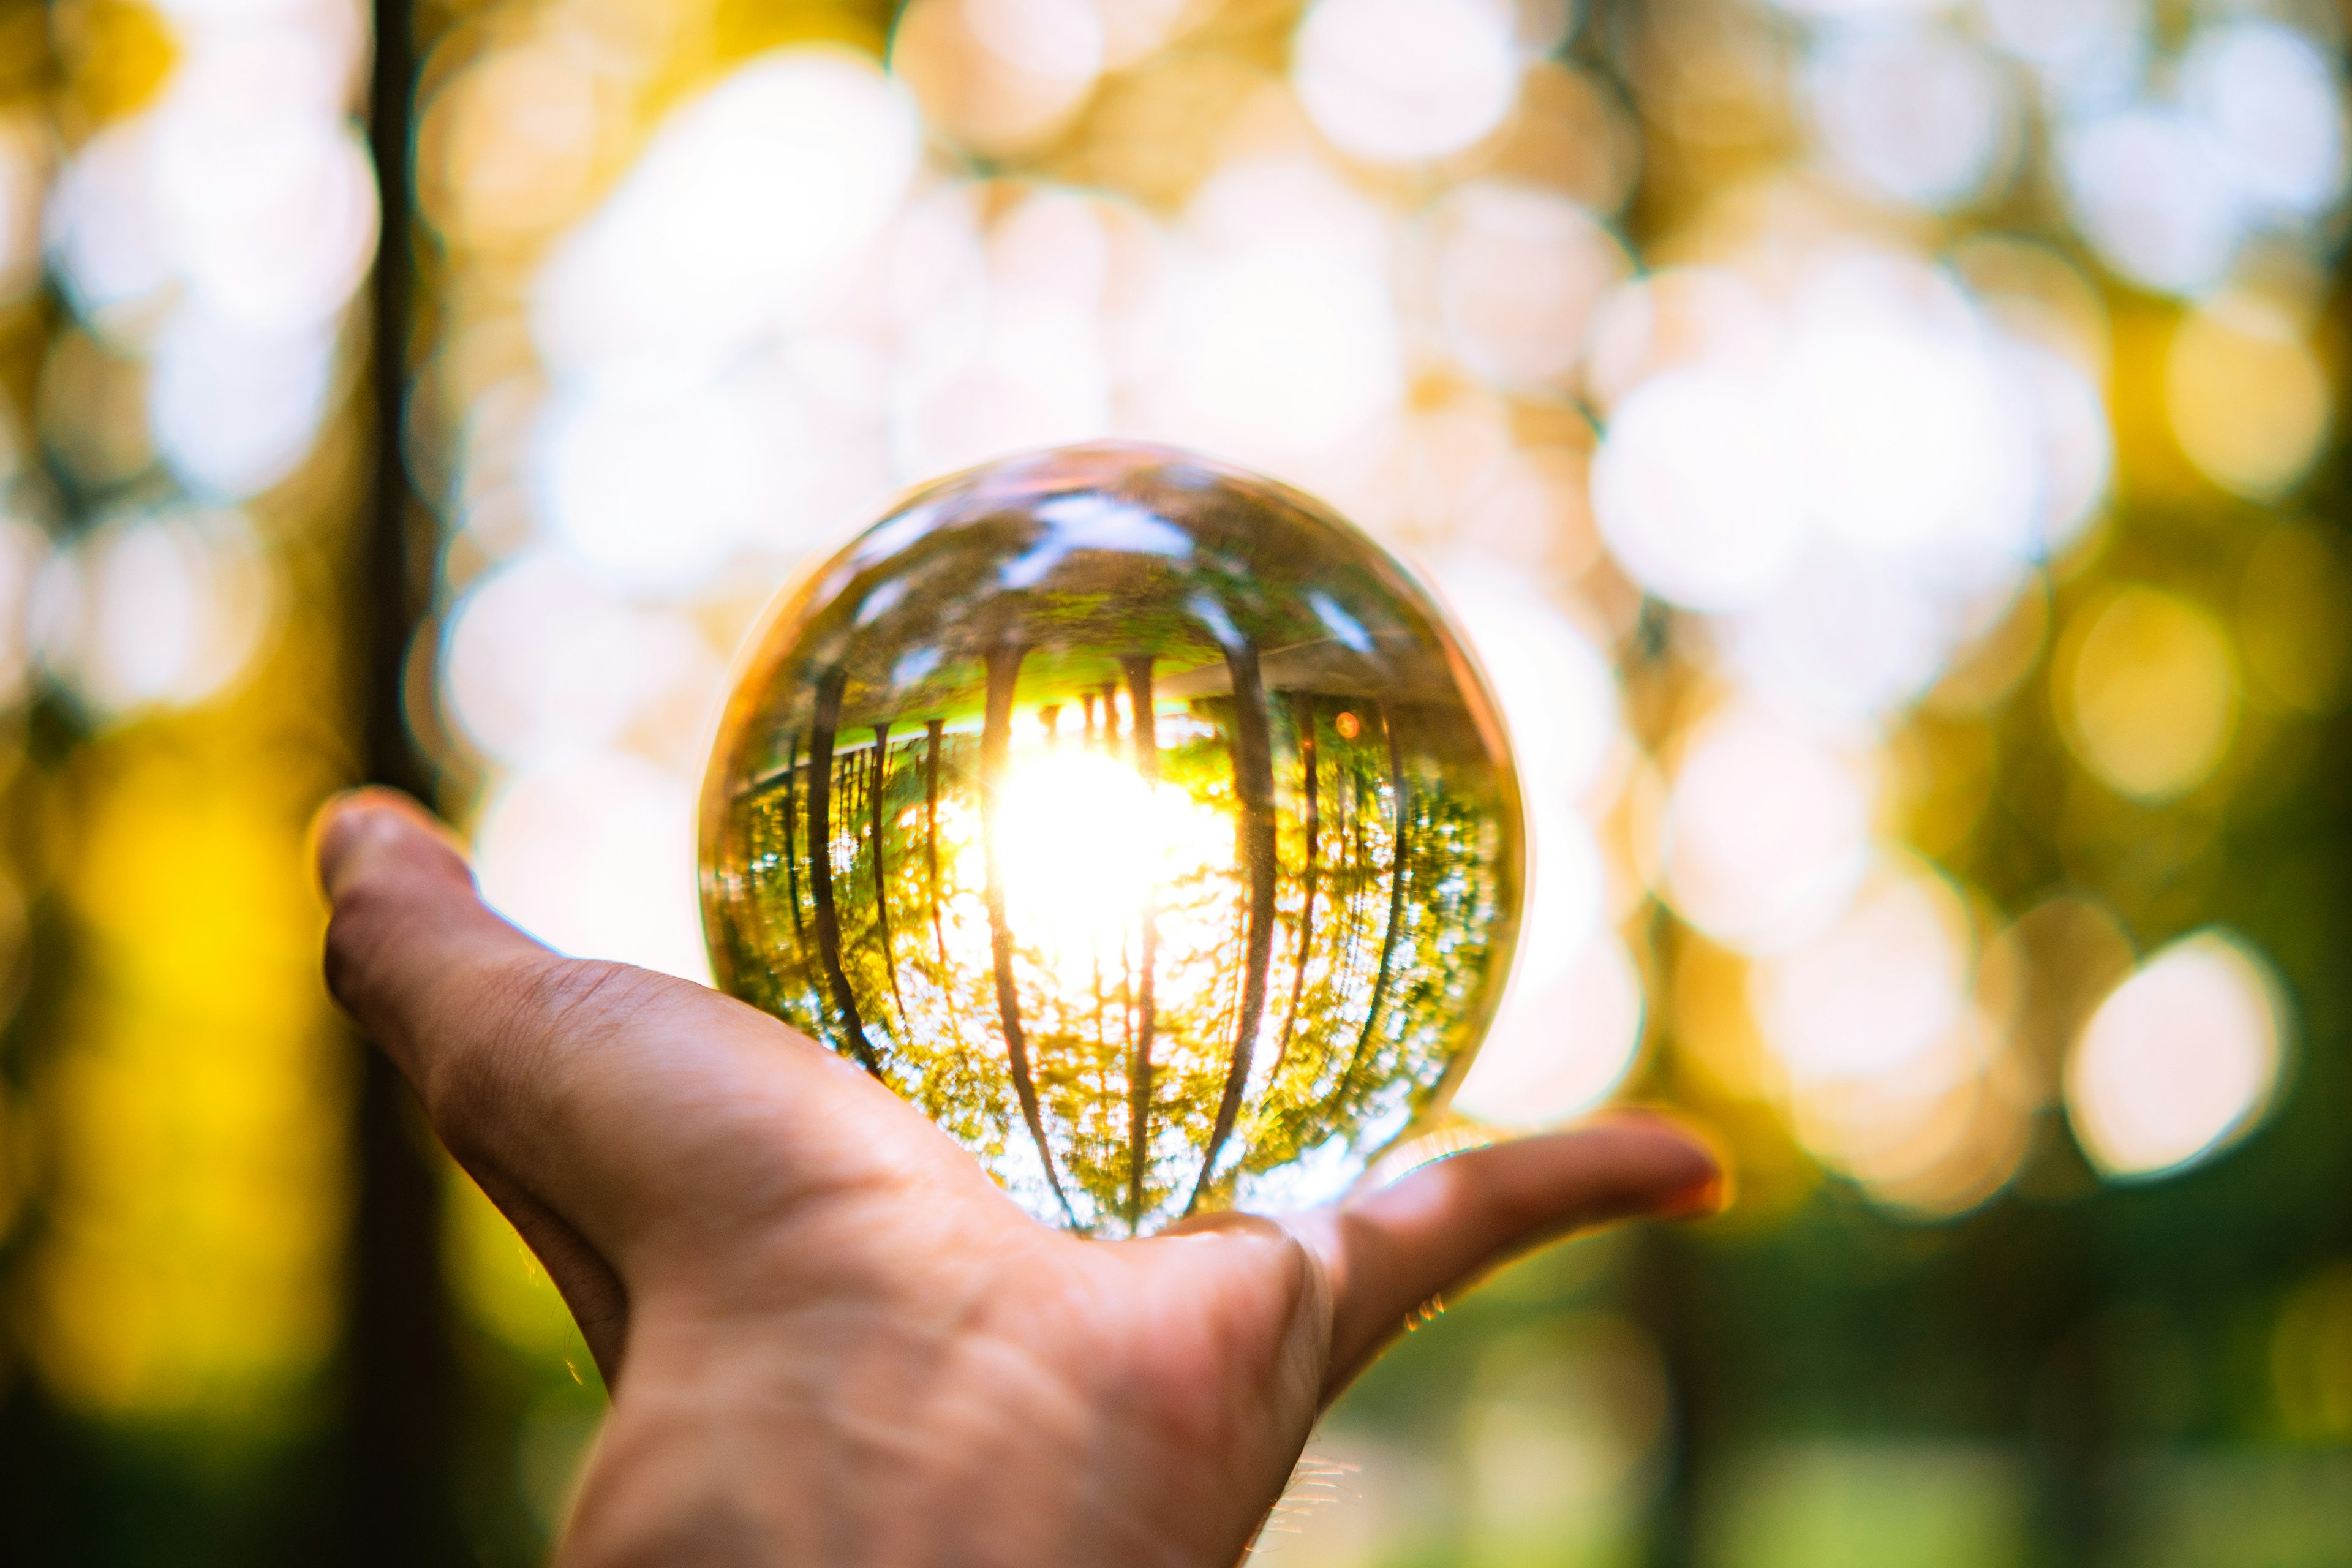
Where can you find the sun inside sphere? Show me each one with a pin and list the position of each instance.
(1137, 818)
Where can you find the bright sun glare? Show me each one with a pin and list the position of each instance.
(1084, 842)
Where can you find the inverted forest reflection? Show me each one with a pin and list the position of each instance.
(1139, 822)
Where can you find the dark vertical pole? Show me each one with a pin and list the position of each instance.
(386, 611)
(932, 729)
(1253, 848)
(829, 688)
(792, 864)
(882, 879)
(1143, 719)
(995, 761)
(395, 1505)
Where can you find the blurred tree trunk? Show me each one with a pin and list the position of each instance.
(395, 1500)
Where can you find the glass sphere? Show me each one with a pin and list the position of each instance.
(1136, 818)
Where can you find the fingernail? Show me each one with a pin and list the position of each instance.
(324, 822)
(1702, 1200)
(338, 816)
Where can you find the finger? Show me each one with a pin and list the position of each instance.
(407, 930)
(630, 1106)
(508, 1044)
(381, 859)
(1398, 1251)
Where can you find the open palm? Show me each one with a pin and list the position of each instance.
(829, 1338)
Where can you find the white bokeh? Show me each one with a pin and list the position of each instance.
(1911, 440)
(224, 228)
(747, 206)
(1875, 991)
(2088, 54)
(1519, 272)
(1858, 10)
(1568, 1033)
(1699, 487)
(655, 486)
(234, 410)
(1402, 80)
(542, 662)
(1915, 114)
(2178, 1060)
(1556, 692)
(155, 609)
(2150, 190)
(1767, 831)
(594, 855)
(1846, 640)
(1279, 339)
(105, 234)
(2273, 107)
(268, 212)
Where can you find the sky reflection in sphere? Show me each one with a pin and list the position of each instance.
(1137, 819)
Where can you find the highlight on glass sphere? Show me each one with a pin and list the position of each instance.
(1135, 817)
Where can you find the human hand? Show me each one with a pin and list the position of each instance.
(829, 1338)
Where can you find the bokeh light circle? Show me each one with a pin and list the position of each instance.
(2179, 1061)
(1402, 80)
(2149, 692)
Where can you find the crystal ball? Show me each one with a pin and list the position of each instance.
(1137, 818)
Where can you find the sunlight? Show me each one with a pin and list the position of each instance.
(1084, 844)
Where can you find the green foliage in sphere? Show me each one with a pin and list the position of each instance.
(1137, 818)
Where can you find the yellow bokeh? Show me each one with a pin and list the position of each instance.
(2147, 690)
(19, 1155)
(741, 28)
(197, 1117)
(501, 1285)
(117, 55)
(2248, 398)
(1726, 1069)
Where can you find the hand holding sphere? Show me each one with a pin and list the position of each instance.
(829, 1335)
(1140, 821)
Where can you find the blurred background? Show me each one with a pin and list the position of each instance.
(1887, 452)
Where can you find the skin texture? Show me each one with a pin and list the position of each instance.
(829, 1339)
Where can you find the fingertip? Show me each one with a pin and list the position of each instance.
(1448, 1223)
(1621, 1165)
(1703, 1199)
(352, 821)
(1696, 1182)
(405, 925)
(1713, 1192)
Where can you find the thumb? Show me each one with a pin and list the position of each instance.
(1391, 1252)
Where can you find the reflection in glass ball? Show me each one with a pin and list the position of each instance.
(1138, 819)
